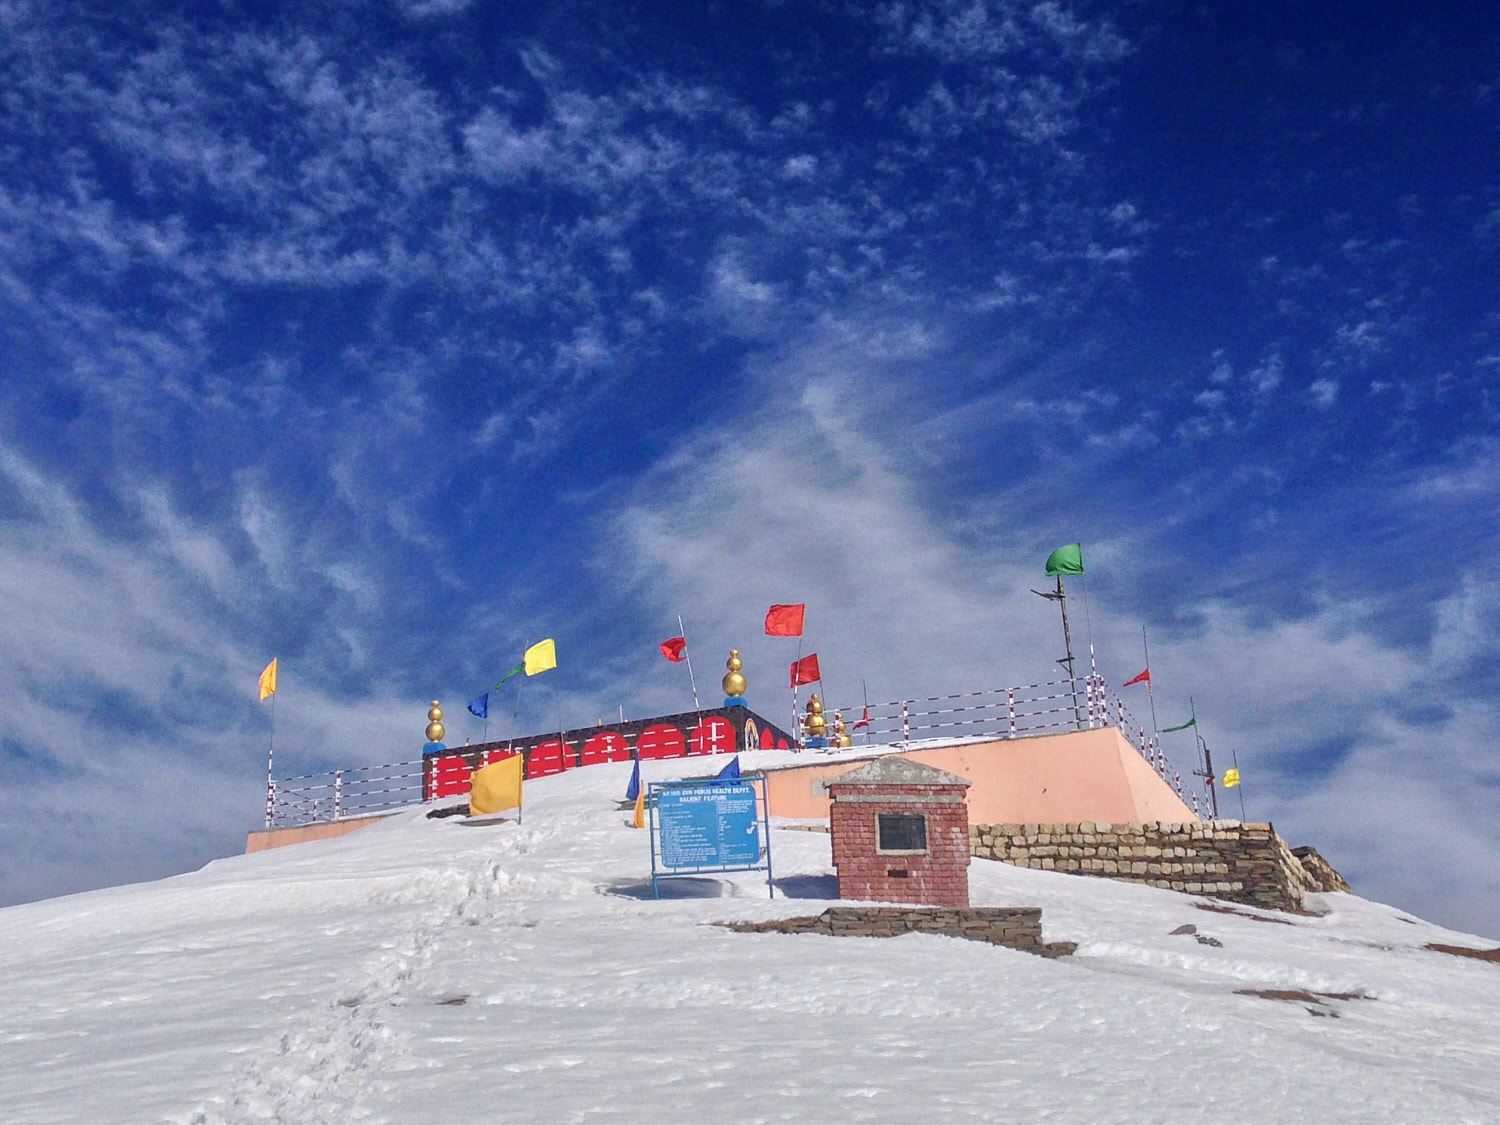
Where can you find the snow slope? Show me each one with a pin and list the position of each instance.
(437, 971)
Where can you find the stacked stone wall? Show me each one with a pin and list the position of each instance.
(1018, 927)
(1320, 870)
(1245, 863)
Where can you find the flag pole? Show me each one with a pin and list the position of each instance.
(1062, 601)
(561, 733)
(1060, 596)
(1235, 757)
(1088, 629)
(797, 719)
(1151, 695)
(687, 652)
(865, 691)
(515, 718)
(829, 728)
(270, 766)
(1208, 762)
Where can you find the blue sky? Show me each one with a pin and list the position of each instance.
(390, 338)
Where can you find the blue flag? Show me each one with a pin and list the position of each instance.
(633, 790)
(480, 708)
(731, 772)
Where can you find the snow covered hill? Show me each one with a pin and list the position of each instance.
(440, 971)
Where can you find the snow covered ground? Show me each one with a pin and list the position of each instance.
(440, 971)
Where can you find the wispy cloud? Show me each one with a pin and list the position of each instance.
(807, 499)
(386, 341)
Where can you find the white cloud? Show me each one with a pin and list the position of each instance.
(501, 151)
(1364, 337)
(1266, 376)
(805, 499)
(129, 670)
(1323, 392)
(733, 293)
(801, 167)
(431, 9)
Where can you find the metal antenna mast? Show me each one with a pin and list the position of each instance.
(1207, 772)
(1060, 596)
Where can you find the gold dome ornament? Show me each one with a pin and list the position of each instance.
(840, 733)
(734, 682)
(435, 728)
(815, 726)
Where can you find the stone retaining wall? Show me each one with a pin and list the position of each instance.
(1320, 870)
(1015, 927)
(1246, 863)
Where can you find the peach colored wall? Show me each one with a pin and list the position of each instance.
(1049, 779)
(263, 839)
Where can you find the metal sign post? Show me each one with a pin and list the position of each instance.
(709, 826)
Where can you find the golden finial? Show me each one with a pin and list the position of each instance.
(815, 725)
(734, 682)
(435, 728)
(840, 734)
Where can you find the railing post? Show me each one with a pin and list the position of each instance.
(905, 721)
(1010, 709)
(338, 793)
(270, 802)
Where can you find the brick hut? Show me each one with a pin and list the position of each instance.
(900, 833)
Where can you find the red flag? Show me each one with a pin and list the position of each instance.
(864, 720)
(785, 620)
(675, 650)
(805, 671)
(1144, 677)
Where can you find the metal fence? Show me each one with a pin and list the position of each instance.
(1014, 712)
(991, 713)
(341, 794)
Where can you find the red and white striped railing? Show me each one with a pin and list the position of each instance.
(1013, 712)
(342, 794)
(996, 712)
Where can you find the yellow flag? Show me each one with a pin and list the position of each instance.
(268, 681)
(1231, 778)
(640, 809)
(541, 656)
(497, 786)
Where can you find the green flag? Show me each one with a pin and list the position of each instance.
(1190, 723)
(516, 671)
(1066, 560)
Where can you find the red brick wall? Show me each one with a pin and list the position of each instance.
(938, 878)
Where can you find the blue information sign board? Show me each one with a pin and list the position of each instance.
(701, 826)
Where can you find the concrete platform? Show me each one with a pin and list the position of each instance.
(263, 839)
(1044, 779)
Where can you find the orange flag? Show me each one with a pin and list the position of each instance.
(268, 681)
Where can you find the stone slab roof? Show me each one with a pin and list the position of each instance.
(897, 771)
